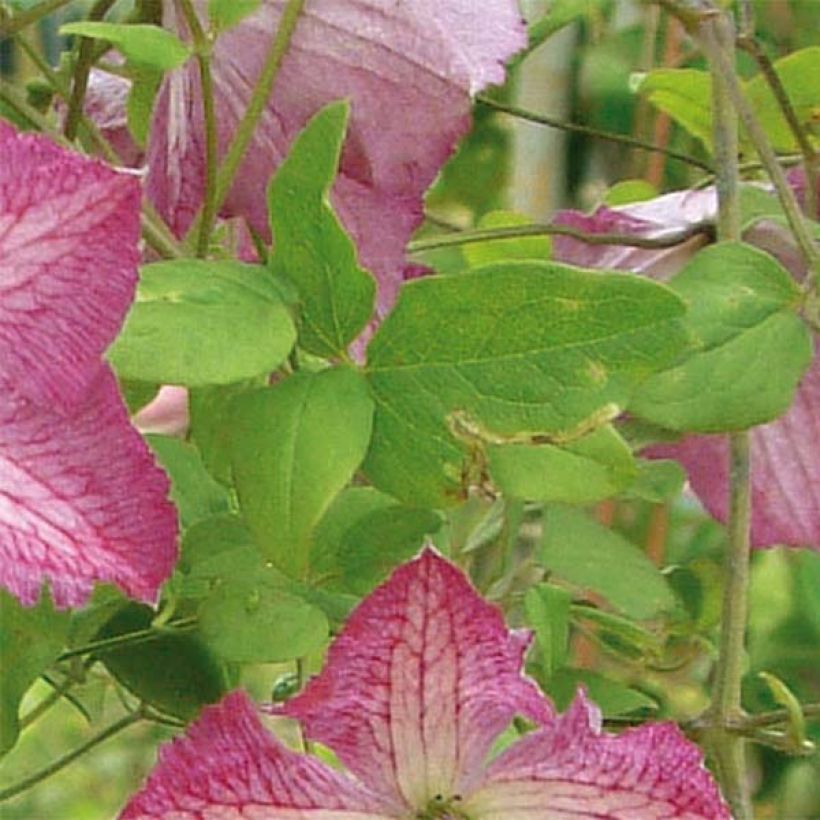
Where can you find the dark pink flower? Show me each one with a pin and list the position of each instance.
(408, 69)
(785, 452)
(81, 499)
(416, 689)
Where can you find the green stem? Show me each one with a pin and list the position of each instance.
(514, 231)
(729, 750)
(623, 139)
(10, 95)
(128, 639)
(776, 717)
(256, 105)
(734, 92)
(9, 26)
(86, 53)
(811, 159)
(203, 49)
(67, 759)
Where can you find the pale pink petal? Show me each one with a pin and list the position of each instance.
(81, 500)
(69, 228)
(229, 766)
(167, 413)
(417, 686)
(570, 769)
(408, 69)
(105, 104)
(785, 471)
(657, 218)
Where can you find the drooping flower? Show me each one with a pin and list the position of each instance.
(81, 499)
(408, 69)
(416, 689)
(785, 452)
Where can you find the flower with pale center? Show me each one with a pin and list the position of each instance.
(415, 692)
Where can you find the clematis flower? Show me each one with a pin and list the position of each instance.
(416, 690)
(785, 452)
(408, 69)
(81, 499)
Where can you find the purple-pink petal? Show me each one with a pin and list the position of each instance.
(785, 471)
(229, 766)
(69, 228)
(570, 769)
(416, 688)
(408, 69)
(81, 500)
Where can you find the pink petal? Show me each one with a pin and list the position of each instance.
(785, 471)
(228, 766)
(408, 69)
(69, 228)
(81, 500)
(418, 685)
(105, 104)
(657, 218)
(572, 769)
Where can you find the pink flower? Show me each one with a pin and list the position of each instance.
(416, 689)
(81, 499)
(786, 451)
(408, 69)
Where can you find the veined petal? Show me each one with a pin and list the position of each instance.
(228, 766)
(81, 500)
(69, 228)
(408, 69)
(785, 471)
(570, 769)
(419, 683)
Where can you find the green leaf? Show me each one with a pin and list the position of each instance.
(501, 250)
(751, 348)
(173, 671)
(799, 73)
(628, 191)
(194, 492)
(142, 44)
(255, 622)
(657, 480)
(311, 249)
(363, 536)
(296, 445)
(562, 13)
(546, 610)
(507, 353)
(593, 467)
(612, 697)
(145, 83)
(594, 558)
(685, 94)
(199, 323)
(31, 639)
(225, 14)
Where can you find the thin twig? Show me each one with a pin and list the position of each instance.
(9, 26)
(623, 139)
(517, 231)
(54, 767)
(810, 157)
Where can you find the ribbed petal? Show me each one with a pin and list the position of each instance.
(571, 769)
(408, 69)
(418, 685)
(228, 766)
(69, 228)
(81, 500)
